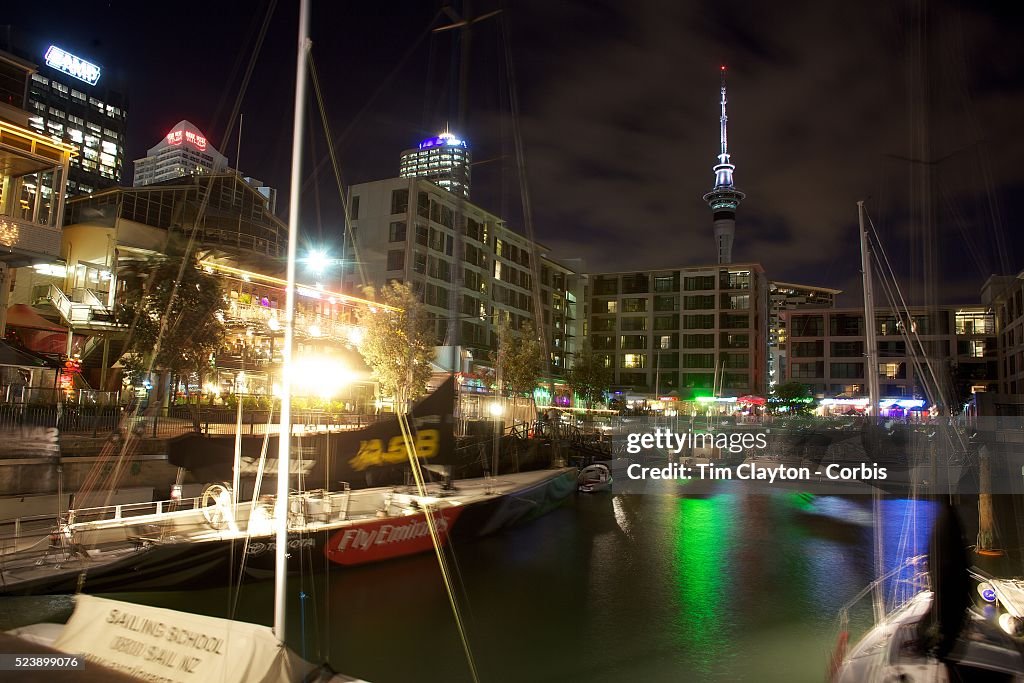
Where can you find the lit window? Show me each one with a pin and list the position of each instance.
(633, 360)
(889, 370)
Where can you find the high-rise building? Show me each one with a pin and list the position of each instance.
(444, 160)
(67, 98)
(184, 151)
(687, 332)
(786, 296)
(405, 230)
(724, 198)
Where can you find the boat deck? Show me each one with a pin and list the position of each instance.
(106, 543)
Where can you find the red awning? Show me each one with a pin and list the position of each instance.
(22, 315)
(751, 400)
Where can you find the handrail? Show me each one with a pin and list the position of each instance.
(40, 530)
(60, 301)
(160, 507)
(76, 313)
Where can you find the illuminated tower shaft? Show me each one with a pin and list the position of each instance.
(724, 198)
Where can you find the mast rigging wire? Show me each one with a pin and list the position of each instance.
(524, 189)
(410, 449)
(348, 233)
(128, 442)
(382, 86)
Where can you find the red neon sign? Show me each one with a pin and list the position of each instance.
(176, 136)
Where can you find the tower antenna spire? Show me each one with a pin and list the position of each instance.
(724, 198)
(723, 157)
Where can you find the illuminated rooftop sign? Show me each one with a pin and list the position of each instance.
(62, 60)
(443, 140)
(175, 137)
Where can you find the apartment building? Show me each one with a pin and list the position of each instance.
(826, 350)
(1004, 295)
(788, 296)
(688, 332)
(412, 230)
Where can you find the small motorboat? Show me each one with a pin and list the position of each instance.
(595, 478)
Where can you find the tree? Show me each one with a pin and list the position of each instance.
(171, 307)
(793, 398)
(399, 342)
(589, 377)
(519, 360)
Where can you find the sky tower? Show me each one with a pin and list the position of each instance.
(724, 198)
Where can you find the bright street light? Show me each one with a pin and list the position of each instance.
(317, 260)
(320, 376)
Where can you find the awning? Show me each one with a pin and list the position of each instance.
(22, 315)
(12, 357)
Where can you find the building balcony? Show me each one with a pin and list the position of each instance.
(23, 242)
(33, 169)
(310, 325)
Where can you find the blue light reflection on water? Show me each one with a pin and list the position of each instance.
(906, 525)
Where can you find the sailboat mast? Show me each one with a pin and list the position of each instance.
(870, 340)
(284, 436)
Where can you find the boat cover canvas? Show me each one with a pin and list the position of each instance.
(352, 456)
(157, 644)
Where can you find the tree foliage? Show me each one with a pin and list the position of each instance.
(792, 398)
(589, 377)
(172, 328)
(520, 357)
(399, 342)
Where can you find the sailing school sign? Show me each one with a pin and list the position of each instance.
(165, 646)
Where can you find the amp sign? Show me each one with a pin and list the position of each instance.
(62, 60)
(175, 137)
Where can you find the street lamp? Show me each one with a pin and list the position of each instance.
(317, 260)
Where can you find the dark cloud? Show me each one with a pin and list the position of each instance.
(827, 101)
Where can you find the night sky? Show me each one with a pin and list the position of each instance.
(828, 104)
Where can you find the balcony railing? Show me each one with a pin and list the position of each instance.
(79, 314)
(309, 324)
(29, 236)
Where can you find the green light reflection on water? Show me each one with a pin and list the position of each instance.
(703, 529)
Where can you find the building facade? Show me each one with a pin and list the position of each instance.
(826, 351)
(1004, 295)
(67, 97)
(33, 173)
(787, 296)
(237, 239)
(184, 151)
(444, 160)
(687, 332)
(406, 229)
